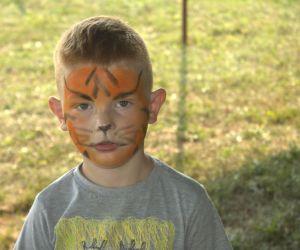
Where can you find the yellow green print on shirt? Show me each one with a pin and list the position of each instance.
(109, 234)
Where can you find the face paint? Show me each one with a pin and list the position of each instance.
(106, 113)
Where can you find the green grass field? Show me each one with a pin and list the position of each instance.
(231, 120)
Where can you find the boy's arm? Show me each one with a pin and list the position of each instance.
(35, 234)
(205, 230)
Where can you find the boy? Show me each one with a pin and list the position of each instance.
(118, 197)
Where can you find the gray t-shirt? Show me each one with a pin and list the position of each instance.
(167, 210)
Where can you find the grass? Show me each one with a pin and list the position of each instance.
(262, 199)
(231, 119)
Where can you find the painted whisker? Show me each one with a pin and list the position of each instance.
(82, 139)
(84, 129)
(70, 117)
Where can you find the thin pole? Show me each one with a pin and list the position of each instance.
(184, 22)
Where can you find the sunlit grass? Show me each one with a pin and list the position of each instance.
(233, 95)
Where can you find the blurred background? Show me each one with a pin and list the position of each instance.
(231, 120)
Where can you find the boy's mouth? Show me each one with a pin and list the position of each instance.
(106, 146)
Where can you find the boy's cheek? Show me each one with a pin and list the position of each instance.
(140, 136)
(74, 136)
(141, 130)
(69, 103)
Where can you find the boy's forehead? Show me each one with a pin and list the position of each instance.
(82, 70)
(119, 74)
(124, 66)
(116, 76)
(98, 81)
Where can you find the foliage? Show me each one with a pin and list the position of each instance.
(232, 106)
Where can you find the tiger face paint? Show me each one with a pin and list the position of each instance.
(106, 113)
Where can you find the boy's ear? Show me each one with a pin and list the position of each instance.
(56, 108)
(158, 98)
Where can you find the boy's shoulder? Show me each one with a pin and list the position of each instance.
(179, 181)
(58, 188)
(169, 179)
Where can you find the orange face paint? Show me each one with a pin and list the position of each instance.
(106, 113)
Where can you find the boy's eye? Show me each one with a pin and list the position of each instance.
(123, 104)
(82, 106)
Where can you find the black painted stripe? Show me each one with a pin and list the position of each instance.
(101, 85)
(126, 94)
(88, 79)
(111, 77)
(86, 154)
(146, 111)
(84, 96)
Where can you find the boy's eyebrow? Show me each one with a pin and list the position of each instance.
(123, 95)
(128, 93)
(82, 95)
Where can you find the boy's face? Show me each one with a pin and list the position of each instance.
(106, 112)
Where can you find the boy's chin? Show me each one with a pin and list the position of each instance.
(108, 160)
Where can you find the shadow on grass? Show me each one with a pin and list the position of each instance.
(259, 204)
(182, 120)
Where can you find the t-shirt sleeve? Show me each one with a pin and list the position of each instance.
(35, 234)
(205, 230)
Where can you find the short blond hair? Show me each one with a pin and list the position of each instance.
(103, 41)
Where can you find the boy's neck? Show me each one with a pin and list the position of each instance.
(133, 171)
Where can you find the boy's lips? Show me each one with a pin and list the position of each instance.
(106, 146)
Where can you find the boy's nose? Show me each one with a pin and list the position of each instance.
(104, 121)
(104, 128)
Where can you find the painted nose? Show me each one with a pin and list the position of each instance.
(104, 128)
(104, 120)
